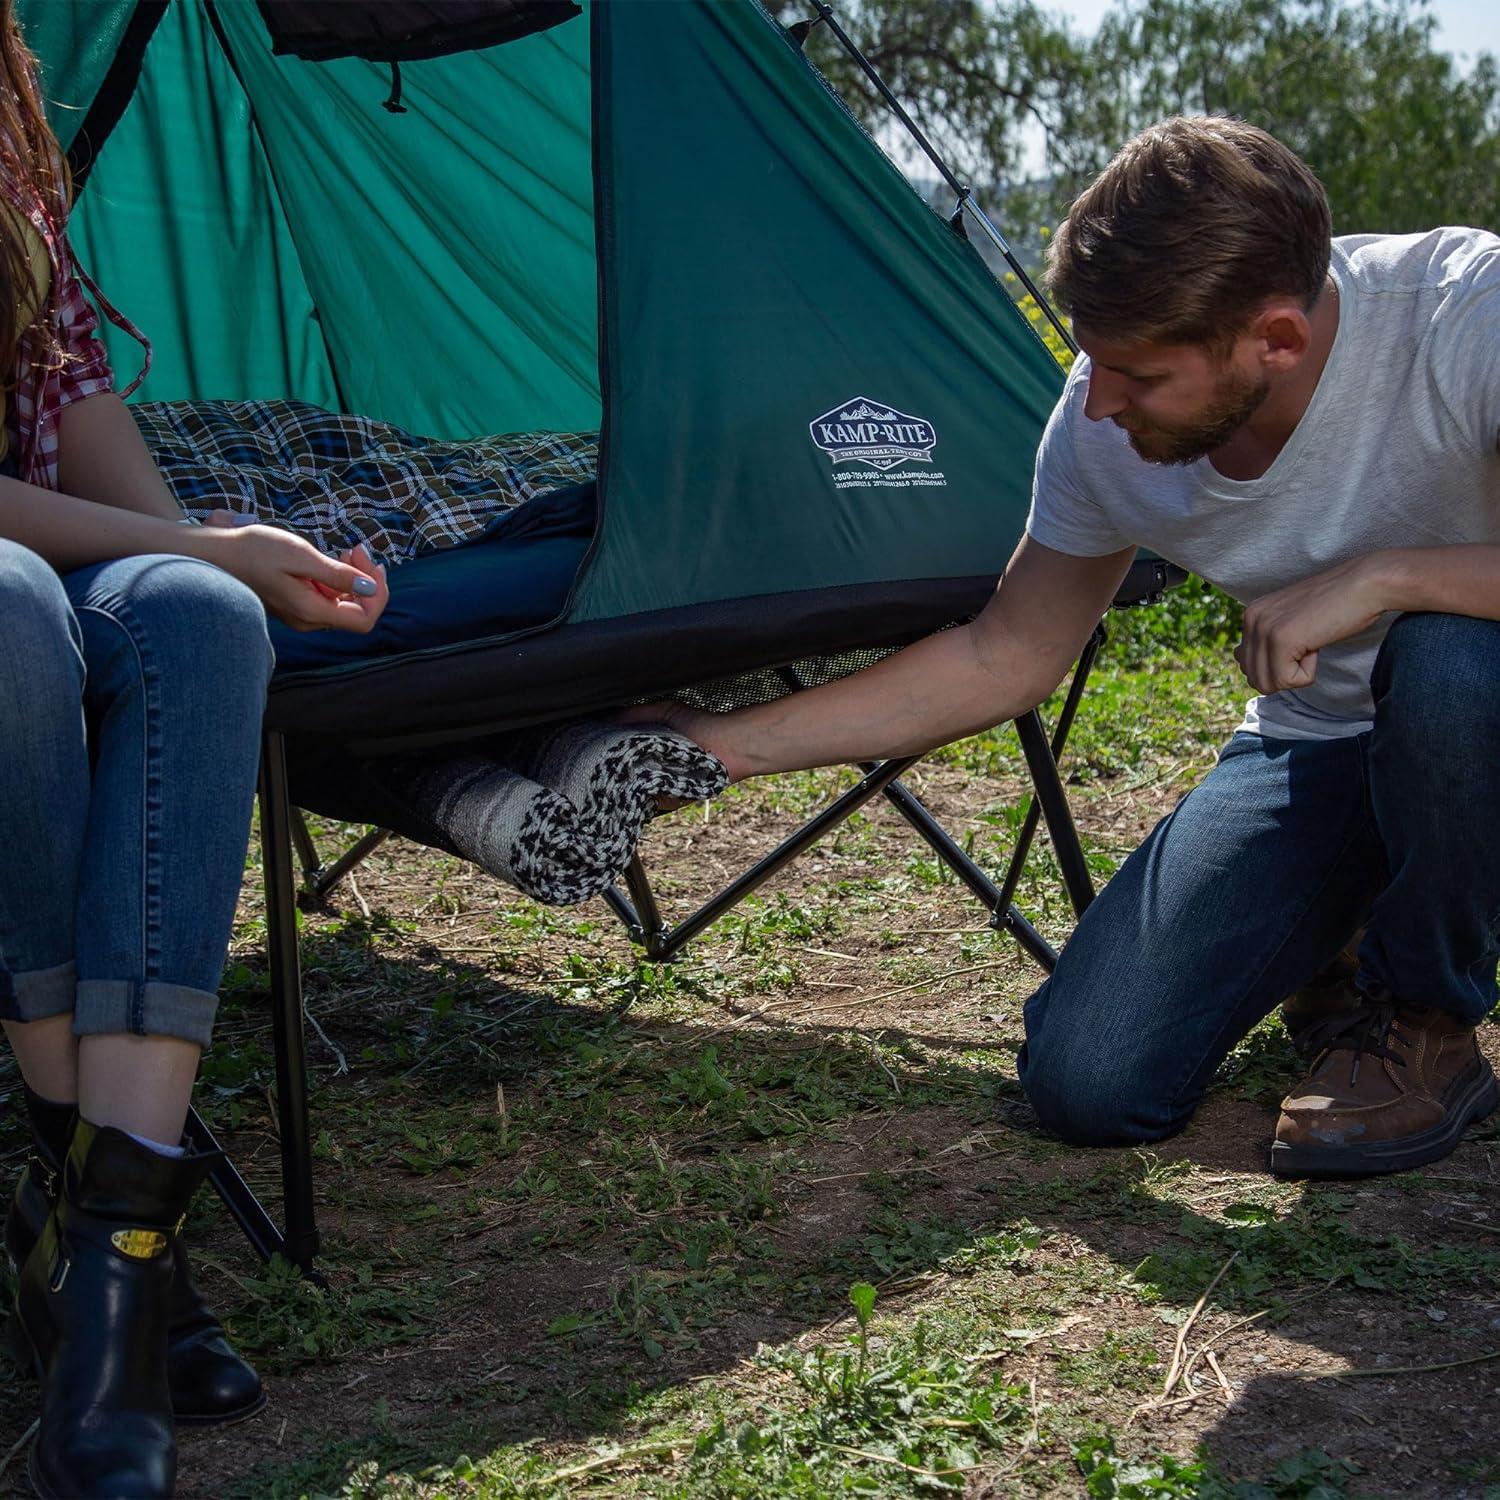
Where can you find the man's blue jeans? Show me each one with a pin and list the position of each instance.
(1260, 876)
(131, 694)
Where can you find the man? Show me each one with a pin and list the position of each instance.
(1313, 426)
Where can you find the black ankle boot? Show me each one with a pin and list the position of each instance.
(209, 1382)
(93, 1307)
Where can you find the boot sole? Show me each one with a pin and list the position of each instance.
(1374, 1158)
(223, 1419)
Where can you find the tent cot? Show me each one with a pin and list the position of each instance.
(818, 411)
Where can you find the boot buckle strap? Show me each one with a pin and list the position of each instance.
(43, 1172)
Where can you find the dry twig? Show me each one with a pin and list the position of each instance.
(624, 1456)
(1177, 1371)
(1234, 1327)
(896, 1463)
(1186, 1326)
(19, 1443)
(1213, 1362)
(1445, 1364)
(343, 1062)
(358, 895)
(919, 984)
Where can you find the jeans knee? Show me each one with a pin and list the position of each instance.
(192, 621)
(241, 640)
(1088, 1098)
(37, 626)
(1088, 1106)
(1438, 675)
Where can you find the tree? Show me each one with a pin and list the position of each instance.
(1400, 136)
(973, 73)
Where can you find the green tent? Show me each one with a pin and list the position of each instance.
(818, 410)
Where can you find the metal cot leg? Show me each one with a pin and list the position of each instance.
(301, 1236)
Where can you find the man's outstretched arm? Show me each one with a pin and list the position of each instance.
(944, 687)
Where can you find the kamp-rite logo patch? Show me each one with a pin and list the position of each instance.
(865, 432)
(879, 437)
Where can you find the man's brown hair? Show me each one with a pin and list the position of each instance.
(1188, 231)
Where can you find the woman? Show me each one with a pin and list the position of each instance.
(132, 685)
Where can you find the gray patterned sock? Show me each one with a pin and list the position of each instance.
(556, 813)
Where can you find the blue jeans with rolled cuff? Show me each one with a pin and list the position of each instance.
(1259, 876)
(131, 693)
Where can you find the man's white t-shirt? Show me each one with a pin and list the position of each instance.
(1399, 447)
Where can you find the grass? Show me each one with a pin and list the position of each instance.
(768, 1221)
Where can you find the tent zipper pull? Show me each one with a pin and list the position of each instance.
(394, 104)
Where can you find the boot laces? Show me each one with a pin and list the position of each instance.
(1367, 1030)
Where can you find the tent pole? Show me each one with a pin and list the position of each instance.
(619, 904)
(1060, 825)
(322, 880)
(965, 195)
(307, 851)
(237, 1195)
(653, 930)
(1003, 913)
(676, 937)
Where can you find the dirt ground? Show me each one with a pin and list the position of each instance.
(569, 1201)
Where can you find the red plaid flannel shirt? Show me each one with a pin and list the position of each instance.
(46, 381)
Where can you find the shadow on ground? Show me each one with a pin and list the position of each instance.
(546, 1196)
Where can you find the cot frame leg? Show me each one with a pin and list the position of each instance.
(638, 909)
(300, 1238)
(284, 831)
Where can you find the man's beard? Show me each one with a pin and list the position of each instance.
(1236, 399)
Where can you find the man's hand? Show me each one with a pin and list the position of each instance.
(1285, 631)
(694, 724)
(947, 685)
(296, 582)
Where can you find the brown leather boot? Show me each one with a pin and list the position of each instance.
(1331, 991)
(1394, 1086)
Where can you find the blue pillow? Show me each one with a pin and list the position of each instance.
(517, 576)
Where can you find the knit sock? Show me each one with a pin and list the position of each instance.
(157, 1146)
(557, 813)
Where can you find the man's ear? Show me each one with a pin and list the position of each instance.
(1283, 336)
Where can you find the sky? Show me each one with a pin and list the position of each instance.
(1466, 26)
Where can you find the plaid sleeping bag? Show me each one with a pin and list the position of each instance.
(338, 479)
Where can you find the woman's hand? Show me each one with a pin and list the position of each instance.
(296, 582)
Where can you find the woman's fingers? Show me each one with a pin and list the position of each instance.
(339, 577)
(371, 605)
(348, 592)
(297, 583)
(313, 607)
